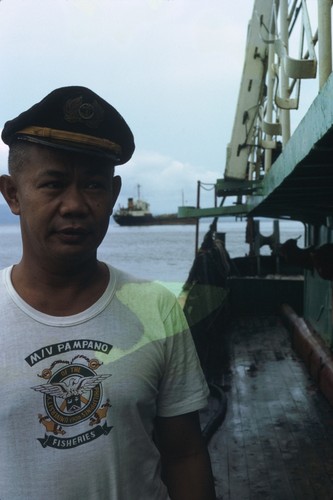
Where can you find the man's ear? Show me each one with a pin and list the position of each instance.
(9, 192)
(116, 187)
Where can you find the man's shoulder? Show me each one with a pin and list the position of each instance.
(137, 284)
(143, 293)
(6, 287)
(5, 274)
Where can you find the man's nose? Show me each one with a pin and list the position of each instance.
(73, 201)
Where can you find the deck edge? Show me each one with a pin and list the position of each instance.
(315, 354)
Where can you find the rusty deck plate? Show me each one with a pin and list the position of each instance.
(276, 441)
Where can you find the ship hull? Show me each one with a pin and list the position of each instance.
(150, 220)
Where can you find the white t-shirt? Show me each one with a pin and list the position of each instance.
(79, 393)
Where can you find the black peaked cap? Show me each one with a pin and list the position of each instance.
(75, 119)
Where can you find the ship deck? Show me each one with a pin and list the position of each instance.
(276, 440)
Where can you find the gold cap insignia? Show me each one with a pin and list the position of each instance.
(91, 114)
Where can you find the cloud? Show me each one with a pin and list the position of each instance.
(171, 67)
(165, 182)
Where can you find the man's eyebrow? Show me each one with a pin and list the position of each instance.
(88, 170)
(53, 173)
(93, 171)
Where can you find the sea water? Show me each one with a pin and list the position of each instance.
(161, 253)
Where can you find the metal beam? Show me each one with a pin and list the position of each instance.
(213, 212)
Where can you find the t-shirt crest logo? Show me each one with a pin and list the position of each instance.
(89, 114)
(73, 401)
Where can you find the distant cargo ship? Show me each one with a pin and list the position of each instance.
(137, 213)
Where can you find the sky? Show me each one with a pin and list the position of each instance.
(172, 68)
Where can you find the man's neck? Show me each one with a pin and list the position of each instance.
(61, 291)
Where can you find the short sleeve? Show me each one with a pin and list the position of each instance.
(183, 388)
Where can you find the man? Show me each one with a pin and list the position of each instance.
(100, 382)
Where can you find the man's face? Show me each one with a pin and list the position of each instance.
(64, 201)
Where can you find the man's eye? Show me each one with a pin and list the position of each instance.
(94, 185)
(53, 185)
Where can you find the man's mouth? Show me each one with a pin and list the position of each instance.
(72, 234)
(73, 230)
